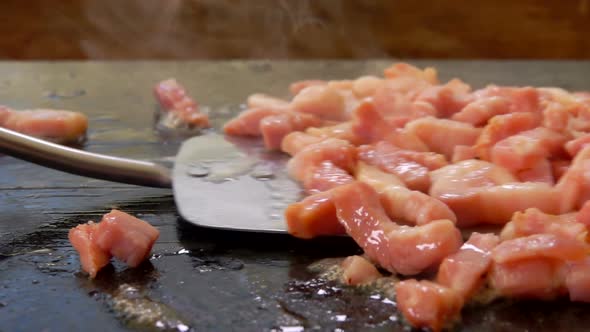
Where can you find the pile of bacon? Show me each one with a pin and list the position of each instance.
(400, 163)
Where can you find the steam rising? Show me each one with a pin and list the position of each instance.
(228, 29)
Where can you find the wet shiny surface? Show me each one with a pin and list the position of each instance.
(202, 278)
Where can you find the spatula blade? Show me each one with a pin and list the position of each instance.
(232, 183)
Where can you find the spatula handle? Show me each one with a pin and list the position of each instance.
(83, 163)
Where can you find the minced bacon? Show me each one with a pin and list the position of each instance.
(402, 161)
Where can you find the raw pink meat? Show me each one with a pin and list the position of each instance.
(92, 257)
(175, 102)
(426, 304)
(54, 125)
(357, 270)
(127, 238)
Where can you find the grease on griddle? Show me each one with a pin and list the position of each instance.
(139, 311)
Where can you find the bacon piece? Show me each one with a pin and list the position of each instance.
(296, 141)
(502, 126)
(402, 69)
(357, 270)
(481, 192)
(539, 245)
(574, 146)
(125, 237)
(394, 98)
(365, 86)
(479, 111)
(541, 172)
(178, 106)
(260, 100)
(322, 101)
(298, 86)
(535, 278)
(426, 304)
(402, 249)
(447, 99)
(577, 280)
(574, 185)
(441, 135)
(369, 126)
(54, 125)
(464, 270)
(463, 152)
(522, 99)
(247, 123)
(341, 130)
(325, 176)
(533, 221)
(527, 148)
(410, 166)
(313, 216)
(583, 216)
(559, 167)
(92, 258)
(401, 203)
(341, 153)
(274, 128)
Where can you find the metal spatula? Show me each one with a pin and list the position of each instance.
(217, 182)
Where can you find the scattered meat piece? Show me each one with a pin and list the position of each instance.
(559, 167)
(402, 249)
(463, 152)
(406, 70)
(376, 178)
(179, 108)
(426, 304)
(577, 280)
(447, 99)
(54, 125)
(583, 216)
(296, 141)
(322, 101)
(533, 221)
(365, 86)
(126, 237)
(522, 99)
(442, 135)
(414, 207)
(401, 203)
(313, 216)
(479, 111)
(541, 172)
(274, 128)
(259, 100)
(92, 258)
(574, 185)
(535, 278)
(369, 126)
(247, 123)
(394, 98)
(464, 270)
(341, 153)
(296, 87)
(539, 245)
(357, 270)
(481, 192)
(325, 176)
(341, 131)
(502, 126)
(527, 148)
(574, 146)
(410, 166)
